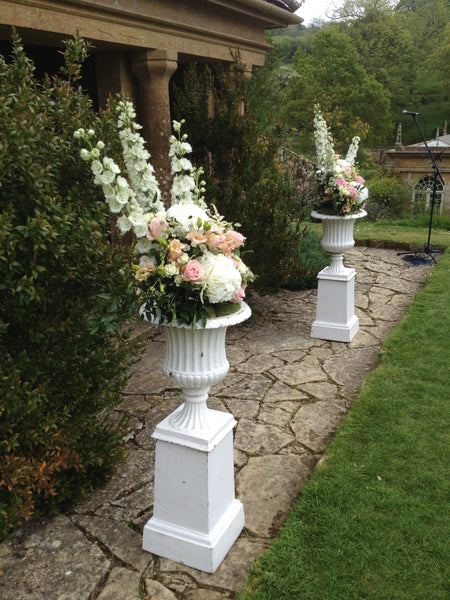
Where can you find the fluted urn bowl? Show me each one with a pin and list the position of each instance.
(337, 236)
(195, 360)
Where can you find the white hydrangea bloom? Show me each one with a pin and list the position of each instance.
(221, 279)
(187, 215)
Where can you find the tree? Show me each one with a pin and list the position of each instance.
(333, 76)
(387, 51)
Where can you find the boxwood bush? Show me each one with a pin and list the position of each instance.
(65, 290)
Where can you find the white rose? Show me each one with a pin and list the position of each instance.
(171, 270)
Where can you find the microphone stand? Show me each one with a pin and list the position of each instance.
(428, 250)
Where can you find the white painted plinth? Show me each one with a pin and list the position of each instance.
(196, 518)
(335, 316)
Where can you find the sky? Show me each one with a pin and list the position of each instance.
(314, 9)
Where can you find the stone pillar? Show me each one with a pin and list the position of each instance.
(153, 69)
(114, 76)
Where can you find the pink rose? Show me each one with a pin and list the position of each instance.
(193, 271)
(239, 295)
(352, 191)
(234, 239)
(360, 179)
(340, 182)
(156, 227)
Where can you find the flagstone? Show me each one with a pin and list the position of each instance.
(117, 537)
(58, 547)
(267, 487)
(307, 370)
(322, 390)
(259, 363)
(242, 408)
(350, 367)
(274, 415)
(257, 438)
(314, 424)
(281, 392)
(122, 583)
(253, 388)
(157, 590)
(232, 573)
(291, 356)
(362, 340)
(387, 312)
(403, 300)
(321, 352)
(396, 284)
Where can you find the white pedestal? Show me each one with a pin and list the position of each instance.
(335, 317)
(196, 518)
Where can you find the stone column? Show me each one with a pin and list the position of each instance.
(114, 76)
(153, 69)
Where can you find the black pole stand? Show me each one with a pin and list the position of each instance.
(428, 252)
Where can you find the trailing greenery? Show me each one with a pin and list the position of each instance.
(372, 522)
(238, 146)
(65, 290)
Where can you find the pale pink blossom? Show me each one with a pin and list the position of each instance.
(156, 228)
(176, 250)
(196, 237)
(239, 295)
(148, 268)
(192, 272)
(234, 239)
(215, 236)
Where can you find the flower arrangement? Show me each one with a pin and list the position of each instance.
(341, 188)
(189, 268)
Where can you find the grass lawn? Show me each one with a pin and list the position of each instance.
(372, 523)
(402, 234)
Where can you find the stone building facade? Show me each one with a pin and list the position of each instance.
(139, 44)
(413, 165)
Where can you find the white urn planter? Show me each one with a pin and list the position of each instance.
(196, 517)
(335, 314)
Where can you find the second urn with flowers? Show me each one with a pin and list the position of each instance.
(342, 194)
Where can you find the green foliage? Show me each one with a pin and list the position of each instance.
(239, 150)
(334, 77)
(312, 258)
(401, 45)
(388, 198)
(65, 289)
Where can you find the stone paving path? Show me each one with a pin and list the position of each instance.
(287, 391)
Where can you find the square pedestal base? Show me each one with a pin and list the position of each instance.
(196, 517)
(335, 317)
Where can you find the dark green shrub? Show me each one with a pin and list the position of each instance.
(65, 289)
(239, 150)
(312, 258)
(388, 198)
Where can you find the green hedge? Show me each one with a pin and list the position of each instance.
(65, 289)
